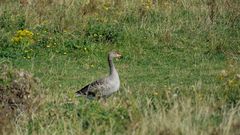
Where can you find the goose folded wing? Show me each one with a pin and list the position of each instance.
(91, 89)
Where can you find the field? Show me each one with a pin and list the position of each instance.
(179, 72)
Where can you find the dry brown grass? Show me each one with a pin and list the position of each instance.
(17, 96)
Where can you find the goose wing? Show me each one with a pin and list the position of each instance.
(91, 89)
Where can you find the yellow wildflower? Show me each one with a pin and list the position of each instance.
(147, 7)
(16, 39)
(23, 34)
(231, 83)
(106, 8)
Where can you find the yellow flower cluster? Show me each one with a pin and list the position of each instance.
(147, 4)
(22, 34)
(16, 39)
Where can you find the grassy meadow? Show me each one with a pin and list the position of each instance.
(179, 72)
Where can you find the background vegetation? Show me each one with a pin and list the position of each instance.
(179, 72)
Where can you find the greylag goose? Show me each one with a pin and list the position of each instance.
(106, 86)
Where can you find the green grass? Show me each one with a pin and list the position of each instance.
(172, 81)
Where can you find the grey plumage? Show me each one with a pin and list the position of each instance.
(106, 86)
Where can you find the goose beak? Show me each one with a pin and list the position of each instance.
(119, 55)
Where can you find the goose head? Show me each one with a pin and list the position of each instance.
(114, 54)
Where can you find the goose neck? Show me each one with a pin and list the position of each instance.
(111, 65)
